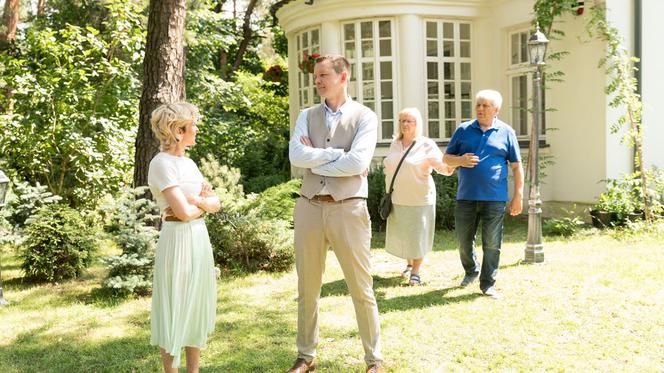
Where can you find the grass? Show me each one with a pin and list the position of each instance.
(595, 305)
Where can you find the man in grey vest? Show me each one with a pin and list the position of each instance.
(334, 143)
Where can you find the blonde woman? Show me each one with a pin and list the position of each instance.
(411, 224)
(184, 292)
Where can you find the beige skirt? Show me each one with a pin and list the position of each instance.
(409, 232)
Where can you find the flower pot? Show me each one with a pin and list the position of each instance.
(603, 219)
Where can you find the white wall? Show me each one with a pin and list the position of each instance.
(652, 70)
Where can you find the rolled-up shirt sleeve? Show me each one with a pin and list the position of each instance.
(358, 159)
(304, 156)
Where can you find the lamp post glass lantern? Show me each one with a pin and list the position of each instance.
(534, 246)
(4, 185)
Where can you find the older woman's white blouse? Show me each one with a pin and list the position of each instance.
(168, 170)
(414, 185)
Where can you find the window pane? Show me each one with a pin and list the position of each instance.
(448, 48)
(369, 104)
(432, 90)
(448, 70)
(386, 47)
(367, 71)
(299, 42)
(524, 47)
(349, 50)
(464, 49)
(314, 37)
(465, 71)
(386, 90)
(305, 96)
(352, 89)
(434, 130)
(432, 30)
(384, 30)
(464, 31)
(368, 91)
(367, 48)
(305, 80)
(353, 72)
(366, 30)
(466, 112)
(349, 31)
(432, 48)
(448, 30)
(449, 90)
(450, 126)
(515, 49)
(465, 91)
(388, 130)
(449, 110)
(386, 110)
(433, 110)
(305, 40)
(432, 70)
(386, 70)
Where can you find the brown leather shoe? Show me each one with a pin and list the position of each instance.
(300, 366)
(375, 368)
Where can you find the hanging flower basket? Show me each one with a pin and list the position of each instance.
(308, 62)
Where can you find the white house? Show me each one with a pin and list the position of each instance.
(435, 54)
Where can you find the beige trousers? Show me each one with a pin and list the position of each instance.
(346, 227)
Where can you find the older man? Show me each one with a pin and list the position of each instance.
(334, 143)
(483, 148)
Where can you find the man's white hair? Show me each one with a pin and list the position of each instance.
(490, 95)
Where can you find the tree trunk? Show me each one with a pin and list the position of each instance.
(41, 6)
(10, 20)
(246, 34)
(163, 75)
(223, 54)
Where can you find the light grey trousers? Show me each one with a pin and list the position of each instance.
(346, 227)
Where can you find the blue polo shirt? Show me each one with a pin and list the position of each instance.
(487, 181)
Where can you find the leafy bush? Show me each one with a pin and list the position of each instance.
(276, 202)
(25, 202)
(446, 188)
(131, 272)
(225, 181)
(59, 244)
(564, 227)
(248, 243)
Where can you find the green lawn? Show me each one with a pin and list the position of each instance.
(597, 304)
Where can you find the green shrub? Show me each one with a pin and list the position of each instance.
(276, 202)
(376, 181)
(446, 190)
(247, 243)
(225, 181)
(59, 244)
(564, 227)
(25, 201)
(131, 272)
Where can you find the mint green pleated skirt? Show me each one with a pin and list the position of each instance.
(184, 291)
(409, 232)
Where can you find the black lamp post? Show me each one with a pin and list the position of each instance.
(4, 185)
(534, 247)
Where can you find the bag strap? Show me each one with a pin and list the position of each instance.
(399, 166)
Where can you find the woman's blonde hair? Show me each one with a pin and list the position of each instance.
(415, 113)
(167, 118)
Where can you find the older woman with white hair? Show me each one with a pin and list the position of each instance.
(411, 224)
(184, 292)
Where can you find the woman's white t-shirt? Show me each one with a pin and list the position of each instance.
(413, 185)
(168, 170)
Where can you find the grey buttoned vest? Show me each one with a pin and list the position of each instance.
(339, 187)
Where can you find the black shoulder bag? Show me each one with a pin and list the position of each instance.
(386, 202)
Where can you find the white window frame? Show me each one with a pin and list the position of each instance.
(446, 122)
(356, 86)
(306, 91)
(520, 68)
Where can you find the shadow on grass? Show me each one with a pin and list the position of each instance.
(338, 287)
(41, 350)
(424, 300)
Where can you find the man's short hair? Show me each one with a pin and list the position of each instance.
(490, 95)
(339, 63)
